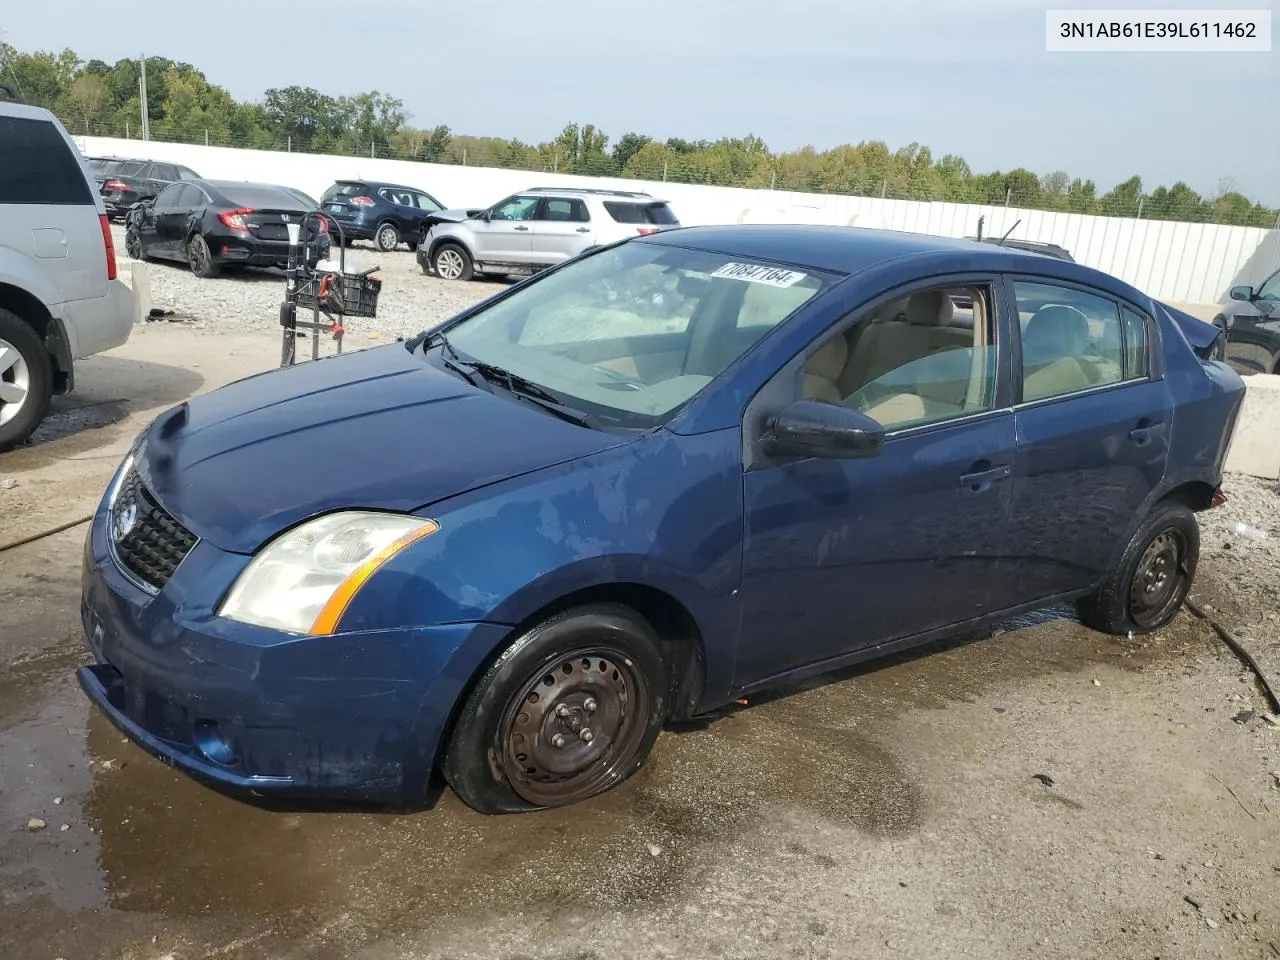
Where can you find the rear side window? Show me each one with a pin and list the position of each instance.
(1135, 345)
(656, 213)
(38, 166)
(557, 208)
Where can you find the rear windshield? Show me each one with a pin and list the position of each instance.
(346, 190)
(260, 197)
(38, 166)
(658, 213)
(118, 168)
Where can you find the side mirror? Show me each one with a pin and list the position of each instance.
(812, 428)
(1241, 293)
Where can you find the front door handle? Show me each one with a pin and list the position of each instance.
(584, 229)
(979, 481)
(1145, 431)
(522, 228)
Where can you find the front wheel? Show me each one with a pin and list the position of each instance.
(1148, 586)
(569, 710)
(452, 262)
(200, 258)
(386, 238)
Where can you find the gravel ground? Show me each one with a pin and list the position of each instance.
(250, 299)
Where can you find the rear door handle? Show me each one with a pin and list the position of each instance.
(584, 229)
(1143, 433)
(522, 228)
(979, 481)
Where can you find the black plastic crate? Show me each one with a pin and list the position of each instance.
(345, 294)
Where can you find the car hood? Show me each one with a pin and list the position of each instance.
(379, 429)
(452, 216)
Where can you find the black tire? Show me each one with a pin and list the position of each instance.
(522, 743)
(132, 242)
(1146, 589)
(386, 237)
(29, 371)
(463, 268)
(413, 246)
(200, 258)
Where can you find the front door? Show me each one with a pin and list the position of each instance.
(172, 219)
(1253, 331)
(841, 555)
(1093, 437)
(507, 237)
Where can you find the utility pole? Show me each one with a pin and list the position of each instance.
(142, 84)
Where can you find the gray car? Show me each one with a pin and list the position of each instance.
(1252, 325)
(535, 229)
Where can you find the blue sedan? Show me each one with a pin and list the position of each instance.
(632, 489)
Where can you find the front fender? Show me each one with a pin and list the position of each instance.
(664, 512)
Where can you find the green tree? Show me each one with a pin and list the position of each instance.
(86, 105)
(628, 145)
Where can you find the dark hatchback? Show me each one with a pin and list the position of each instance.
(125, 182)
(386, 213)
(511, 549)
(211, 224)
(1251, 322)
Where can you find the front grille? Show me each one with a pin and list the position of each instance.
(148, 542)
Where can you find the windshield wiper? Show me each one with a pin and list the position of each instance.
(448, 356)
(528, 390)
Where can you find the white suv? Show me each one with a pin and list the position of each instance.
(60, 299)
(535, 229)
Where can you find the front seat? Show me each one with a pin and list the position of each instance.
(823, 369)
(888, 344)
(1052, 344)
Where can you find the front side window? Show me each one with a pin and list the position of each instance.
(921, 359)
(426, 202)
(168, 197)
(185, 173)
(517, 208)
(1270, 290)
(1071, 341)
(632, 333)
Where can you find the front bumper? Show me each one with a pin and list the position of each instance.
(354, 717)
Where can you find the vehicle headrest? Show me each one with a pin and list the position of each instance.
(1054, 332)
(930, 308)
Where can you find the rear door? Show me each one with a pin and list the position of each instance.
(1093, 421)
(561, 229)
(49, 213)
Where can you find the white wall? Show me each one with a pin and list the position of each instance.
(1185, 262)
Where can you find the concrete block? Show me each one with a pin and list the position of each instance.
(1255, 445)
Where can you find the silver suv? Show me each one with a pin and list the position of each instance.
(60, 299)
(535, 229)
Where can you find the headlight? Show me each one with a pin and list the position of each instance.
(303, 580)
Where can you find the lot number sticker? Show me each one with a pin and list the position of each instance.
(752, 273)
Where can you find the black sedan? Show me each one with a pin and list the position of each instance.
(125, 182)
(211, 224)
(1252, 325)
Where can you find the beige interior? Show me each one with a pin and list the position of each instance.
(1055, 355)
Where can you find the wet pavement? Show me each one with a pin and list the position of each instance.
(891, 810)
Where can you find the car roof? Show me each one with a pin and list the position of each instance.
(594, 192)
(850, 250)
(379, 184)
(15, 108)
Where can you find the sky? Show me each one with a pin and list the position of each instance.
(960, 76)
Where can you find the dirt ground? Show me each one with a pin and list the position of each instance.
(891, 811)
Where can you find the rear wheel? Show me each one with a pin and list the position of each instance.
(571, 709)
(386, 237)
(132, 242)
(200, 258)
(452, 262)
(1149, 584)
(26, 379)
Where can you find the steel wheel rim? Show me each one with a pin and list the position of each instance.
(449, 264)
(15, 382)
(387, 238)
(199, 255)
(1159, 578)
(574, 727)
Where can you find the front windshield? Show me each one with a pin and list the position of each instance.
(632, 333)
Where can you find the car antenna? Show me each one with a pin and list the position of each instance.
(1000, 242)
(980, 220)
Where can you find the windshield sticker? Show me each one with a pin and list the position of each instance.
(753, 273)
